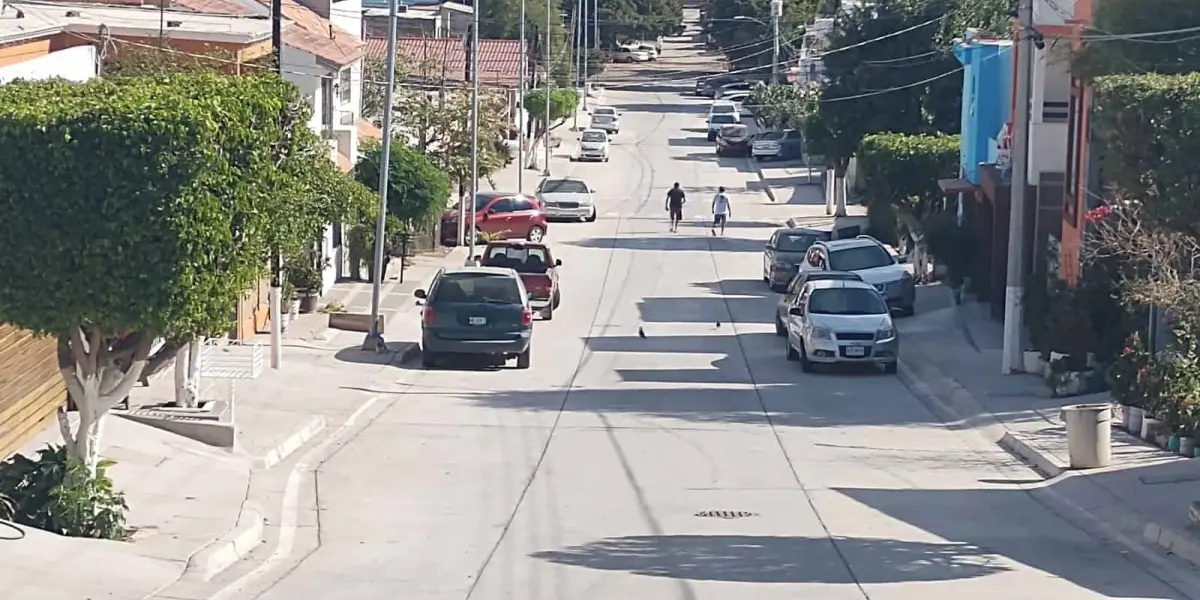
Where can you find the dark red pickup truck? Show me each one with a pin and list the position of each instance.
(535, 264)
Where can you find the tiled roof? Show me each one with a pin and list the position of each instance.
(499, 60)
(310, 32)
(367, 130)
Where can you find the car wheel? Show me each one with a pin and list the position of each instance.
(556, 299)
(780, 330)
(805, 364)
(428, 359)
(535, 234)
(592, 217)
(523, 359)
(792, 355)
(890, 368)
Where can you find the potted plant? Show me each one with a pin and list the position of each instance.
(1037, 309)
(305, 277)
(1125, 377)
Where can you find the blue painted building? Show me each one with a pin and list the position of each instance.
(987, 99)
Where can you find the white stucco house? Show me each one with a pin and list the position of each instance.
(323, 55)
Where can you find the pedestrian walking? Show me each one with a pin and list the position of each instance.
(721, 211)
(675, 199)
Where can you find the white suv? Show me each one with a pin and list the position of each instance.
(870, 260)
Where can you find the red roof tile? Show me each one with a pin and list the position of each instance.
(499, 60)
(309, 32)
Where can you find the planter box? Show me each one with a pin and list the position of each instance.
(354, 322)
(1032, 363)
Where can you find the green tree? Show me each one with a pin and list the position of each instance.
(748, 41)
(781, 106)
(626, 20)
(136, 209)
(903, 171)
(563, 103)
(440, 126)
(1144, 126)
(418, 189)
(1107, 54)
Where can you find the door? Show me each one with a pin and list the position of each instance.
(793, 323)
(769, 254)
(522, 216)
(496, 219)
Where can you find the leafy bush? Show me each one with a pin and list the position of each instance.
(951, 243)
(1126, 370)
(54, 492)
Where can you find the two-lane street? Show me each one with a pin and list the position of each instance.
(694, 463)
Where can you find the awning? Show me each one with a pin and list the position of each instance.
(958, 185)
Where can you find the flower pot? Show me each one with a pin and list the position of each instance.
(1162, 439)
(1134, 415)
(1173, 443)
(1032, 363)
(1187, 446)
(294, 307)
(1053, 357)
(284, 320)
(1196, 452)
(308, 303)
(1150, 428)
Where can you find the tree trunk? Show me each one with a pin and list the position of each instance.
(99, 372)
(533, 146)
(187, 375)
(839, 186)
(917, 233)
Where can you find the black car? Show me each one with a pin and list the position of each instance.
(733, 140)
(476, 311)
(709, 86)
(785, 251)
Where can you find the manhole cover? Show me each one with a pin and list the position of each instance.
(726, 514)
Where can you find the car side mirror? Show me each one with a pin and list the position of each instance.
(486, 216)
(421, 294)
(796, 311)
(769, 246)
(902, 259)
(558, 262)
(478, 258)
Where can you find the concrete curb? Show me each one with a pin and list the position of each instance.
(290, 444)
(228, 549)
(762, 179)
(992, 429)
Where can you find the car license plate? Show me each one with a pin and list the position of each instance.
(856, 351)
(478, 320)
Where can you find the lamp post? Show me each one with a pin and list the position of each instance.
(776, 12)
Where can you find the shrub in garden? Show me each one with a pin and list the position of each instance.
(56, 492)
(1127, 373)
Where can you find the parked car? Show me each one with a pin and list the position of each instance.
(708, 86)
(567, 198)
(732, 88)
(503, 215)
(841, 321)
(593, 145)
(536, 266)
(476, 311)
(738, 99)
(716, 122)
(622, 54)
(733, 140)
(606, 110)
(650, 50)
(782, 145)
(607, 123)
(789, 298)
(724, 107)
(785, 251)
(868, 258)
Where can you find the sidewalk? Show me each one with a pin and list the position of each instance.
(951, 363)
(194, 509)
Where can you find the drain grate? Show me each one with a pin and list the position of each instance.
(726, 514)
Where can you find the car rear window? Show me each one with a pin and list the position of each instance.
(722, 109)
(862, 257)
(771, 136)
(522, 259)
(603, 118)
(722, 119)
(796, 242)
(477, 287)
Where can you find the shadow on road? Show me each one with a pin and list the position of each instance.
(692, 142)
(741, 165)
(699, 242)
(777, 559)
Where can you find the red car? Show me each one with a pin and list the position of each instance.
(536, 266)
(501, 215)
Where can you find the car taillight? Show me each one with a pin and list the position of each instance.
(526, 317)
(428, 314)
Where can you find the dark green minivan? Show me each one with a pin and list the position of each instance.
(476, 311)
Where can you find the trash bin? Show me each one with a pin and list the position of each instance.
(1089, 435)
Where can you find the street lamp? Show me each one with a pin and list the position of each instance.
(776, 12)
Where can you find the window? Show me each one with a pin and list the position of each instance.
(503, 205)
(521, 203)
(473, 287)
(522, 259)
(862, 257)
(564, 186)
(795, 242)
(847, 301)
(593, 136)
(344, 85)
(725, 119)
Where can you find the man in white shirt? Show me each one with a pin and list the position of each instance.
(720, 210)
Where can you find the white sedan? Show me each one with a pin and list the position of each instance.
(593, 145)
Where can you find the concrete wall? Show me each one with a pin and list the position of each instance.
(72, 64)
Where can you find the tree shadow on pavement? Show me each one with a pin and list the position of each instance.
(740, 165)
(738, 287)
(700, 242)
(1015, 525)
(778, 559)
(705, 310)
(670, 108)
(693, 142)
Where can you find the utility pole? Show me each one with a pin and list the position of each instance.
(474, 122)
(275, 294)
(374, 340)
(546, 143)
(522, 113)
(576, 54)
(1014, 289)
(583, 60)
(776, 12)
(596, 27)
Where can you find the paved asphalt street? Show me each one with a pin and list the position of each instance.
(588, 477)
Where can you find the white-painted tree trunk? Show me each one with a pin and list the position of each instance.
(187, 375)
(95, 394)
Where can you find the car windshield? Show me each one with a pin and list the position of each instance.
(602, 119)
(771, 136)
(722, 109)
(606, 110)
(846, 301)
(722, 119)
(593, 136)
(477, 287)
(862, 257)
(564, 186)
(795, 242)
(522, 259)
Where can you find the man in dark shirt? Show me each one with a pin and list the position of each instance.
(675, 200)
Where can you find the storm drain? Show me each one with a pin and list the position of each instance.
(725, 514)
